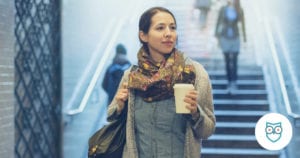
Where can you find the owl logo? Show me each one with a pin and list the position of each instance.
(273, 131)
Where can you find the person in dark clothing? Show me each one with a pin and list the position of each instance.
(228, 35)
(115, 72)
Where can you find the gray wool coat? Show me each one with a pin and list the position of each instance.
(202, 128)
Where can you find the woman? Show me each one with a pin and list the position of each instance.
(227, 32)
(153, 127)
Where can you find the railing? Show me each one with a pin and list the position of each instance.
(279, 73)
(95, 77)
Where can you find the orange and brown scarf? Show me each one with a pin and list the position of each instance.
(154, 82)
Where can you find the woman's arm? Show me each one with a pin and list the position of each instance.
(204, 123)
(243, 24)
(218, 28)
(113, 109)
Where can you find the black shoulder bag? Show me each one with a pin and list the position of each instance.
(109, 141)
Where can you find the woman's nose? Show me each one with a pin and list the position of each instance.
(168, 32)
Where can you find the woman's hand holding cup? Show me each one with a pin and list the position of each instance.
(191, 99)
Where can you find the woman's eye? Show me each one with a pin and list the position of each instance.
(173, 27)
(160, 28)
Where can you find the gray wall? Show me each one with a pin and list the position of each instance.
(7, 78)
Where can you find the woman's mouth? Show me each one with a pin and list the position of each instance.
(168, 43)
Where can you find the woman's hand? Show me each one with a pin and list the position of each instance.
(121, 97)
(191, 99)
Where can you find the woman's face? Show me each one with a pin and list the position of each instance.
(162, 35)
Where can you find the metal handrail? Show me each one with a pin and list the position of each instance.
(106, 55)
(280, 74)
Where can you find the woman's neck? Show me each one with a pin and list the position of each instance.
(157, 58)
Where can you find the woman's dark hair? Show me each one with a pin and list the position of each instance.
(145, 20)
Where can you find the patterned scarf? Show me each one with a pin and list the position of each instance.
(154, 82)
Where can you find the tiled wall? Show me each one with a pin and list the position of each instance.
(7, 78)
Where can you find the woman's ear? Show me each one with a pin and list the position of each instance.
(143, 36)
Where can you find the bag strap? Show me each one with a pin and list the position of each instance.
(134, 67)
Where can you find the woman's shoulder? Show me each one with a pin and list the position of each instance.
(130, 68)
(198, 66)
(189, 61)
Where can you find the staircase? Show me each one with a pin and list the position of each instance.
(237, 114)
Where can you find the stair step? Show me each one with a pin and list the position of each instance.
(238, 153)
(239, 82)
(238, 116)
(233, 141)
(235, 128)
(221, 66)
(244, 72)
(240, 113)
(236, 124)
(240, 94)
(251, 105)
(215, 62)
(240, 91)
(241, 87)
(242, 84)
(226, 137)
(242, 75)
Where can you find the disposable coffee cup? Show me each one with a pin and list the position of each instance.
(180, 91)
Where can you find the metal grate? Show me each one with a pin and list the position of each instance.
(37, 79)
